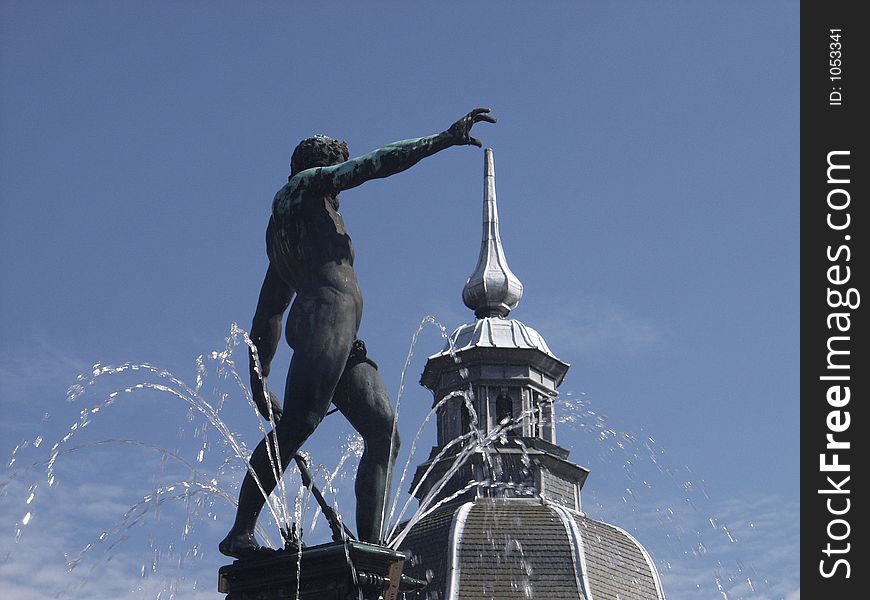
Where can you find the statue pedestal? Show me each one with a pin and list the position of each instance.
(334, 571)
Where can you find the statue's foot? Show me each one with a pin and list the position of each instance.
(239, 545)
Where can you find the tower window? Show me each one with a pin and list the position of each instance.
(504, 409)
(466, 416)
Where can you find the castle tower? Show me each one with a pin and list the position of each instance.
(501, 502)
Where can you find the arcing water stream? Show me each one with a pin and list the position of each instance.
(135, 493)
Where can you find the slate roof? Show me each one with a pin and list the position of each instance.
(428, 549)
(496, 332)
(616, 563)
(494, 340)
(515, 550)
(512, 548)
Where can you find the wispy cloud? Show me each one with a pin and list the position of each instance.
(125, 516)
(83, 540)
(34, 376)
(34, 363)
(80, 537)
(735, 548)
(592, 329)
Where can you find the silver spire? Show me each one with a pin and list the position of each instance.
(492, 290)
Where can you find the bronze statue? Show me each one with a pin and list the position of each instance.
(311, 257)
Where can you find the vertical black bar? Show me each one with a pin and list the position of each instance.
(834, 265)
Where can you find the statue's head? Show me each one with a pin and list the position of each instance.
(317, 151)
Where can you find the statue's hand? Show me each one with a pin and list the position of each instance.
(277, 411)
(263, 397)
(461, 129)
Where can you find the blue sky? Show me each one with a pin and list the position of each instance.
(647, 172)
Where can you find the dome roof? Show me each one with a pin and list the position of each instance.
(495, 332)
(524, 548)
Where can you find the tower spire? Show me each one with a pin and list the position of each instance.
(492, 290)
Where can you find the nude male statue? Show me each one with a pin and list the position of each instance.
(311, 257)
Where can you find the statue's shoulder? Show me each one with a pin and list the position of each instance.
(286, 201)
(289, 198)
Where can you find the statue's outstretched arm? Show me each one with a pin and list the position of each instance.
(383, 162)
(398, 156)
(275, 297)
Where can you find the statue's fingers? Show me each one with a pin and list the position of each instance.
(483, 117)
(475, 142)
(478, 111)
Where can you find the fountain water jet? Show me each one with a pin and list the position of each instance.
(645, 466)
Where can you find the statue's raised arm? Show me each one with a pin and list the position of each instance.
(383, 162)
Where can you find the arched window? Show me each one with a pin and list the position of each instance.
(504, 409)
(466, 416)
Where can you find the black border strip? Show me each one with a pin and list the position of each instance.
(834, 265)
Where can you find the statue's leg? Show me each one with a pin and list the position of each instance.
(363, 400)
(315, 370)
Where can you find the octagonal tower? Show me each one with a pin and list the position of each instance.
(501, 503)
